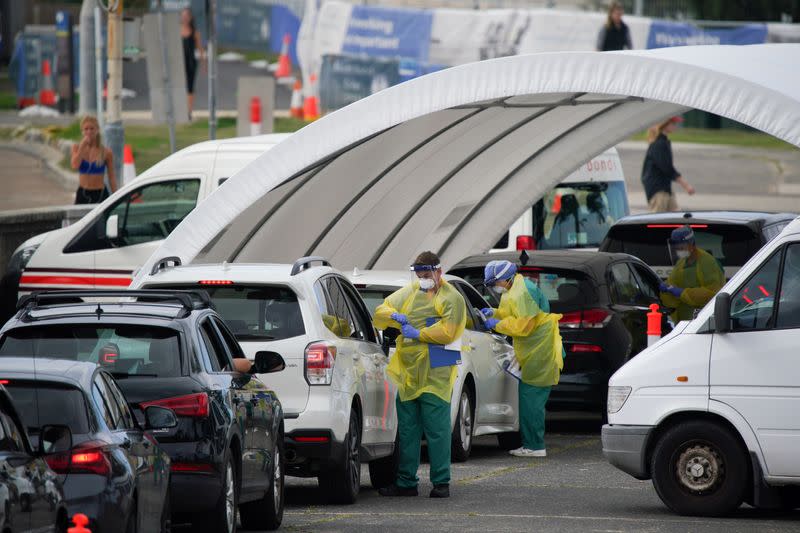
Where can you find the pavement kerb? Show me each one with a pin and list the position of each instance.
(46, 153)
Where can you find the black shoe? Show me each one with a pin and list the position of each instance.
(440, 491)
(394, 490)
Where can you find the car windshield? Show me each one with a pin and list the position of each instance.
(40, 404)
(374, 296)
(732, 245)
(255, 312)
(123, 350)
(565, 289)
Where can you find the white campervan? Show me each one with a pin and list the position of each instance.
(105, 247)
(710, 412)
(576, 213)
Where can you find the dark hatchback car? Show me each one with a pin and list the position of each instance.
(732, 237)
(115, 473)
(31, 496)
(604, 301)
(171, 349)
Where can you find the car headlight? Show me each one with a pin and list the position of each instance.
(616, 398)
(21, 257)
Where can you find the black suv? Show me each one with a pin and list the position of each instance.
(732, 237)
(171, 349)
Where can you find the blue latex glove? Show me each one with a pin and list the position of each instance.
(400, 318)
(663, 287)
(410, 332)
(487, 312)
(491, 323)
(675, 291)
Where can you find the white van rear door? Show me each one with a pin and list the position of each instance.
(755, 368)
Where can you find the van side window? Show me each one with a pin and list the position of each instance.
(753, 303)
(789, 301)
(146, 214)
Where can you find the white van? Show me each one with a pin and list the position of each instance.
(711, 412)
(576, 213)
(104, 248)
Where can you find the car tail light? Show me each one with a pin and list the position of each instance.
(194, 405)
(585, 348)
(319, 359)
(204, 468)
(588, 318)
(526, 242)
(215, 282)
(312, 439)
(88, 458)
(672, 226)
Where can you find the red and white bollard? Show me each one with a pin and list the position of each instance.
(255, 116)
(653, 325)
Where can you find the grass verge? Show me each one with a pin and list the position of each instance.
(729, 137)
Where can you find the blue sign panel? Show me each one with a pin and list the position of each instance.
(385, 32)
(664, 34)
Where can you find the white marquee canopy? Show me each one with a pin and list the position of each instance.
(448, 161)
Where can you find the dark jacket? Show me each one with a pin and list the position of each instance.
(658, 172)
(613, 38)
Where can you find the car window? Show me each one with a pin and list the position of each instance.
(122, 350)
(648, 283)
(41, 404)
(217, 356)
(126, 418)
(148, 213)
(789, 301)
(232, 345)
(108, 410)
(473, 301)
(333, 306)
(625, 288)
(374, 296)
(360, 315)
(10, 434)
(752, 305)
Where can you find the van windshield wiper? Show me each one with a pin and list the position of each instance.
(123, 375)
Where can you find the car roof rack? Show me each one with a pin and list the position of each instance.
(189, 300)
(164, 263)
(304, 263)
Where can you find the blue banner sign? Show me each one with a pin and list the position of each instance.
(389, 32)
(664, 34)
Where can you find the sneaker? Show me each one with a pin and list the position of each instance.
(394, 490)
(440, 491)
(514, 452)
(525, 452)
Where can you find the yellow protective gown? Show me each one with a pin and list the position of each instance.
(537, 340)
(699, 281)
(410, 366)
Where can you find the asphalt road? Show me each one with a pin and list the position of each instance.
(573, 489)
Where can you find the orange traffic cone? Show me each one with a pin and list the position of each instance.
(310, 106)
(284, 61)
(296, 107)
(128, 166)
(47, 96)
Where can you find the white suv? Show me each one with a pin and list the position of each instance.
(484, 400)
(338, 403)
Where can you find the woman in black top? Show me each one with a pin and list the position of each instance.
(614, 35)
(658, 172)
(191, 42)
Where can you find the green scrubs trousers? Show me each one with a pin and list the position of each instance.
(531, 415)
(430, 414)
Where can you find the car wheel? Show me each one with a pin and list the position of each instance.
(510, 440)
(223, 518)
(267, 513)
(383, 471)
(461, 441)
(699, 468)
(342, 482)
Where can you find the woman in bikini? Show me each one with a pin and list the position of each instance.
(91, 159)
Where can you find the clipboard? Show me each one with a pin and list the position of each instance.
(443, 355)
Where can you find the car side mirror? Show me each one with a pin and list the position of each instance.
(112, 227)
(722, 312)
(54, 439)
(157, 417)
(268, 362)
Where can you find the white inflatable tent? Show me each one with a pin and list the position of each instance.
(448, 161)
